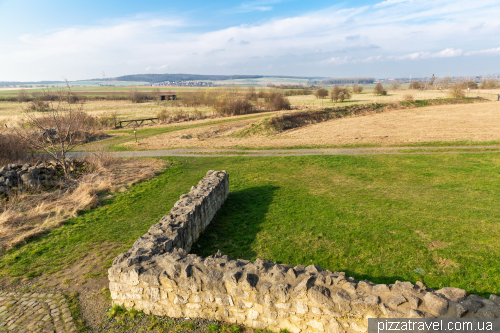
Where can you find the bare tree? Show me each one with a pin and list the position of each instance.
(395, 85)
(59, 129)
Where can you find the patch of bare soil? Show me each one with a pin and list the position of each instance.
(477, 122)
(26, 215)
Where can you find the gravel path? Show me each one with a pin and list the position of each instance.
(298, 152)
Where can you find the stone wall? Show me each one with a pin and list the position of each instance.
(159, 276)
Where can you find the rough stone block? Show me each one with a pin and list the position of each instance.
(436, 305)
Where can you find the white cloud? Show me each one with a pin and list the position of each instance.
(492, 51)
(413, 29)
(257, 5)
(390, 2)
(337, 60)
(447, 53)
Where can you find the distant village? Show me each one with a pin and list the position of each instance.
(183, 84)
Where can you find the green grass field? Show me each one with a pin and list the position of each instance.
(432, 218)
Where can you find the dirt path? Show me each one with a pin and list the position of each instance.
(301, 152)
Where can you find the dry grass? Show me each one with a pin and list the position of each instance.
(477, 122)
(393, 96)
(27, 215)
(11, 112)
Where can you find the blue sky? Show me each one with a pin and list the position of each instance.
(48, 40)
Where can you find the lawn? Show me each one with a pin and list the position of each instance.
(383, 218)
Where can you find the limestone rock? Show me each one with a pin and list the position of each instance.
(437, 305)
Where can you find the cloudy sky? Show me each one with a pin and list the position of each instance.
(48, 40)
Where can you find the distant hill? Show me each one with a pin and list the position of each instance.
(153, 78)
(349, 80)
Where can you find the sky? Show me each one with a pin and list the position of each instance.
(55, 39)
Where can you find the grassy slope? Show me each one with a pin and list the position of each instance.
(430, 217)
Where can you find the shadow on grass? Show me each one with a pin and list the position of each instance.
(236, 225)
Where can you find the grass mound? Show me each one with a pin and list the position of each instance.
(290, 120)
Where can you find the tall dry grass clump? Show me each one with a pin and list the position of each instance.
(12, 149)
(26, 215)
(408, 98)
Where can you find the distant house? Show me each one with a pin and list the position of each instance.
(167, 97)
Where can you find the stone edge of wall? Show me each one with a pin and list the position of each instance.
(158, 276)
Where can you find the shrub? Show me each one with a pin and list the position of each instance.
(356, 88)
(162, 115)
(12, 148)
(107, 120)
(22, 96)
(38, 105)
(469, 84)
(345, 94)
(136, 96)
(197, 114)
(278, 102)
(489, 84)
(395, 85)
(234, 107)
(379, 89)
(335, 93)
(457, 91)
(408, 98)
(321, 93)
(178, 115)
(296, 92)
(415, 85)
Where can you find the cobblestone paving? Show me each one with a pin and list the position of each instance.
(34, 312)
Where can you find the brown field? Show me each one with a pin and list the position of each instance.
(477, 122)
(392, 96)
(11, 112)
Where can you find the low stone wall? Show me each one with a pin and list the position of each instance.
(158, 276)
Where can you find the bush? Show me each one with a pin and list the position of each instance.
(357, 89)
(469, 84)
(39, 105)
(162, 115)
(22, 96)
(345, 94)
(379, 89)
(321, 93)
(395, 85)
(489, 84)
(457, 91)
(415, 85)
(12, 148)
(106, 120)
(335, 93)
(297, 92)
(136, 96)
(278, 102)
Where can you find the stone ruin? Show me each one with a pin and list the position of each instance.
(158, 276)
